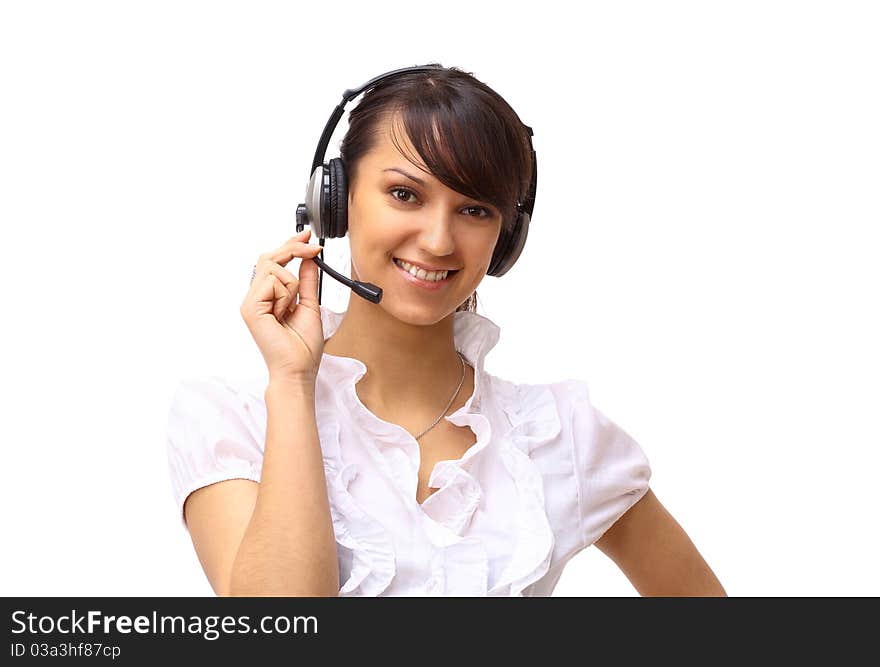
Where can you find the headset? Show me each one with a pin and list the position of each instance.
(326, 205)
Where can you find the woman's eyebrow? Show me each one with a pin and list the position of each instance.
(409, 176)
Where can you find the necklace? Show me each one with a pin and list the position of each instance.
(437, 421)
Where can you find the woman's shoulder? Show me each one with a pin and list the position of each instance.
(214, 398)
(536, 416)
(214, 433)
(535, 400)
(559, 413)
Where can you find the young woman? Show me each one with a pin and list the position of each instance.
(379, 457)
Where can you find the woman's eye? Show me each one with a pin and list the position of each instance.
(485, 213)
(405, 191)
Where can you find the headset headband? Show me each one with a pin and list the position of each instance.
(349, 95)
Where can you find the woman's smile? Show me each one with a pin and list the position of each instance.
(426, 281)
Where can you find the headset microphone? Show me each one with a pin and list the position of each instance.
(326, 205)
(369, 291)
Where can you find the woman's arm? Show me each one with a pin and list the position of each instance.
(656, 555)
(289, 547)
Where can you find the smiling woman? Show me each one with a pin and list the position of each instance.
(380, 457)
(457, 132)
(404, 223)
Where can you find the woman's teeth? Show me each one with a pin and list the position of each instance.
(421, 273)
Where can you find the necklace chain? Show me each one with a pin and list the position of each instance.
(437, 421)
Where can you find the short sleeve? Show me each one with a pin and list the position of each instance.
(212, 436)
(611, 469)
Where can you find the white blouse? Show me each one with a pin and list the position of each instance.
(547, 475)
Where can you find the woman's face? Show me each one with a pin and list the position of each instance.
(398, 211)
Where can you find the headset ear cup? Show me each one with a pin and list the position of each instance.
(313, 215)
(338, 209)
(509, 246)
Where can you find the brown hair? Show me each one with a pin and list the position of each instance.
(464, 132)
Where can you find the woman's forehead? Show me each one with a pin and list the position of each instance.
(386, 153)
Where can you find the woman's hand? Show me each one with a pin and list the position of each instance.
(289, 334)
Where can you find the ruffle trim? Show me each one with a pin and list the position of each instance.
(458, 492)
(535, 421)
(459, 566)
(373, 564)
(457, 498)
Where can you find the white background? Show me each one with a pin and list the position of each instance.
(702, 253)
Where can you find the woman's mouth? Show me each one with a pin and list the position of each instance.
(421, 278)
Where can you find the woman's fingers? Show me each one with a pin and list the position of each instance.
(285, 288)
(304, 234)
(283, 298)
(286, 277)
(296, 246)
(308, 285)
(283, 256)
(279, 286)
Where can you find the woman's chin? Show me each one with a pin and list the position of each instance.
(418, 313)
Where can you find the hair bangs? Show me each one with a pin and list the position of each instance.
(462, 143)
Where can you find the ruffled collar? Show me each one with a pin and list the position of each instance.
(459, 562)
(474, 335)
(458, 493)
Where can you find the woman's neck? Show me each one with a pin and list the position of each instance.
(412, 370)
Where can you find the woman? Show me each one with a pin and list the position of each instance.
(343, 474)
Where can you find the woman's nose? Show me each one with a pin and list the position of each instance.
(436, 237)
